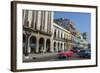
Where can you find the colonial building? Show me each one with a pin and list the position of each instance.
(60, 38)
(37, 31)
(69, 26)
(81, 40)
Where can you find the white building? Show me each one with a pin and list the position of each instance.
(60, 38)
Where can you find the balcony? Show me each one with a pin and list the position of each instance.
(60, 39)
(45, 33)
(30, 29)
(26, 28)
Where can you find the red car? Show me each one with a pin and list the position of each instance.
(65, 54)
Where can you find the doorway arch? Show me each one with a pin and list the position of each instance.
(48, 45)
(33, 44)
(41, 45)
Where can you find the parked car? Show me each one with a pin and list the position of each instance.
(84, 53)
(75, 50)
(62, 54)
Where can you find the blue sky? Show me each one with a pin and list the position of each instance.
(82, 20)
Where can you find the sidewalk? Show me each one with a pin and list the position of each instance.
(40, 57)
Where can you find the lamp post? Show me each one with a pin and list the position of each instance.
(27, 43)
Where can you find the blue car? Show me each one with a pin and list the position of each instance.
(84, 53)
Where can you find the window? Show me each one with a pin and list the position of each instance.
(58, 33)
(55, 33)
(61, 35)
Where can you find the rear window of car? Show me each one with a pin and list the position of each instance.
(82, 50)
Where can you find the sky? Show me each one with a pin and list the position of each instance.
(82, 20)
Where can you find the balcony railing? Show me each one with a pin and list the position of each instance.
(30, 29)
(45, 33)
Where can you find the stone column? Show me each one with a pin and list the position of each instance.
(42, 21)
(37, 45)
(52, 28)
(63, 47)
(57, 46)
(46, 18)
(60, 36)
(29, 49)
(29, 17)
(44, 48)
(39, 20)
(51, 45)
(34, 19)
(25, 18)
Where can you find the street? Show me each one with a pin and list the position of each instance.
(49, 57)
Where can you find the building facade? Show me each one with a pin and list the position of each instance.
(82, 42)
(69, 26)
(37, 32)
(60, 38)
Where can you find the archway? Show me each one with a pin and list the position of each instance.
(41, 44)
(54, 46)
(61, 46)
(33, 44)
(48, 45)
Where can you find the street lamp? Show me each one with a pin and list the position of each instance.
(27, 36)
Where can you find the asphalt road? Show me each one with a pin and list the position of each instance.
(49, 57)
